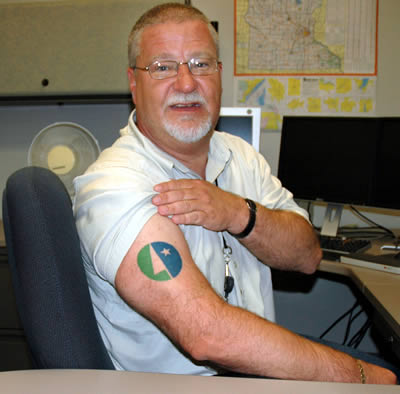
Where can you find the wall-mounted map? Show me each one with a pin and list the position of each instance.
(305, 37)
(315, 57)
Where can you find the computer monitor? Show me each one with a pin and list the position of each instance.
(388, 164)
(340, 160)
(244, 122)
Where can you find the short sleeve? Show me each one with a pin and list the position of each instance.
(111, 206)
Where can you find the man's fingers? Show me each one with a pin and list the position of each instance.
(176, 184)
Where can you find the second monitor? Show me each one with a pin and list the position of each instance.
(244, 122)
(341, 160)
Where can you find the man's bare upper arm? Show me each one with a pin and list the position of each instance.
(159, 279)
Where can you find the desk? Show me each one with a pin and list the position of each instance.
(106, 382)
(382, 290)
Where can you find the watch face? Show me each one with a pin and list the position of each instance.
(65, 148)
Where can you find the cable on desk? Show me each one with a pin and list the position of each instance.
(357, 212)
(363, 232)
(359, 335)
(357, 338)
(339, 319)
(350, 322)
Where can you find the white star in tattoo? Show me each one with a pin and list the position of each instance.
(166, 252)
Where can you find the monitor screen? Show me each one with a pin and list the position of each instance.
(328, 159)
(344, 160)
(388, 165)
(242, 122)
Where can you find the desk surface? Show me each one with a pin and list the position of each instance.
(382, 289)
(106, 382)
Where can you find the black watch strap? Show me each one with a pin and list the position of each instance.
(252, 219)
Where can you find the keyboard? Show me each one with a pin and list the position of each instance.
(343, 245)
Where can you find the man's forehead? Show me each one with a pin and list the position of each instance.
(173, 34)
(172, 25)
(191, 30)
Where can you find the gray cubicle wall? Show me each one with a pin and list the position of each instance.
(66, 47)
(20, 124)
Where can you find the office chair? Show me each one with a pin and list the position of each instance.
(48, 277)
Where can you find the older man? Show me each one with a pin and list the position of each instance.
(179, 226)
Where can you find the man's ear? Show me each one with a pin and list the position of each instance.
(132, 83)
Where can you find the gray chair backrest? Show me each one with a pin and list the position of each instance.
(48, 276)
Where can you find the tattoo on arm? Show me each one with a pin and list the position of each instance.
(170, 261)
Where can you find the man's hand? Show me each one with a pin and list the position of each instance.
(378, 375)
(198, 202)
(281, 239)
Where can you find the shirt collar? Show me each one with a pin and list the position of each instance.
(219, 157)
(219, 154)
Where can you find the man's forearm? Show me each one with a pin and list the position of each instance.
(284, 240)
(252, 345)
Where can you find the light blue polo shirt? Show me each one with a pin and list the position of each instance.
(113, 203)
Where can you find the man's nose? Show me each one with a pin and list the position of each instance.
(185, 80)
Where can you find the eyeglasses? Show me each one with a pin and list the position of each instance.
(162, 69)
